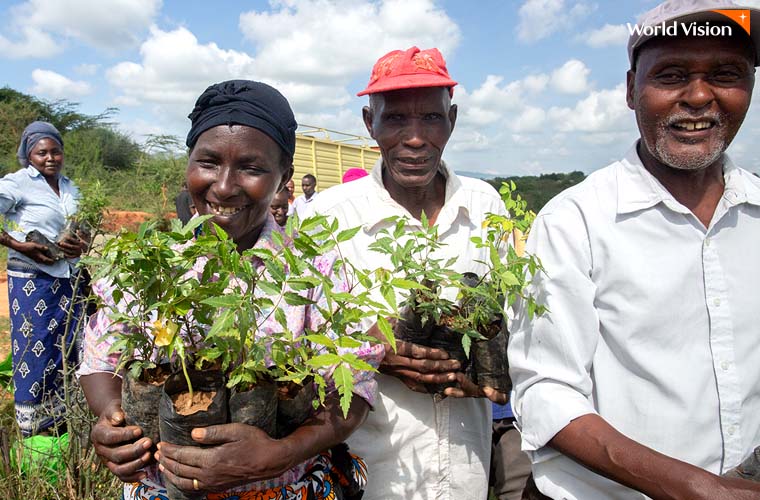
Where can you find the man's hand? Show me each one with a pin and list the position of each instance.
(417, 365)
(466, 388)
(35, 251)
(594, 443)
(233, 455)
(119, 447)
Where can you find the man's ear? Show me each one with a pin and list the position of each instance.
(453, 115)
(630, 80)
(368, 116)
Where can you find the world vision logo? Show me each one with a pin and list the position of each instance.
(739, 16)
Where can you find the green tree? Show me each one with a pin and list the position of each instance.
(538, 190)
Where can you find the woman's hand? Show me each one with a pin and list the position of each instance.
(236, 454)
(35, 251)
(73, 247)
(120, 447)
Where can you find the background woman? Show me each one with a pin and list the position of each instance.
(40, 278)
(241, 144)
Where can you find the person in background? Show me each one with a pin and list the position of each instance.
(642, 380)
(43, 284)
(291, 187)
(182, 203)
(417, 445)
(510, 466)
(309, 188)
(352, 174)
(279, 207)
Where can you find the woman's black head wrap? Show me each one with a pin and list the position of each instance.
(245, 102)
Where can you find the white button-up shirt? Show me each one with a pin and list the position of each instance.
(654, 324)
(417, 448)
(301, 204)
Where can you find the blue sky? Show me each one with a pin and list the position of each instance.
(541, 81)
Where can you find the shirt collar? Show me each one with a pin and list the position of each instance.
(454, 199)
(638, 189)
(34, 173)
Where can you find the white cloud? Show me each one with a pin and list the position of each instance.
(174, 70)
(86, 69)
(606, 36)
(531, 119)
(310, 41)
(41, 26)
(571, 77)
(541, 18)
(468, 140)
(602, 111)
(310, 50)
(52, 84)
(493, 101)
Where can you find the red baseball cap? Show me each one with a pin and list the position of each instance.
(409, 69)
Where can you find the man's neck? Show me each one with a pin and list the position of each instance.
(428, 199)
(698, 190)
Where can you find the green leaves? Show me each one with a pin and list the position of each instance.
(344, 382)
(209, 305)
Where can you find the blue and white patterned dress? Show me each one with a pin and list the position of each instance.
(44, 310)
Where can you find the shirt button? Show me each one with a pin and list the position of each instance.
(707, 242)
(716, 302)
(731, 430)
(725, 365)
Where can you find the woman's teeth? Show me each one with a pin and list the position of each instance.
(220, 210)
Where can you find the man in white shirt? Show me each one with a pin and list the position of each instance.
(309, 188)
(643, 379)
(418, 447)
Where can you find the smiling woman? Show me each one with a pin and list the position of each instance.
(233, 173)
(36, 201)
(241, 144)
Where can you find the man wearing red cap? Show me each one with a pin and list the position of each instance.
(643, 379)
(416, 446)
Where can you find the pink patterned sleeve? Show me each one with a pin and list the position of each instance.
(365, 384)
(99, 337)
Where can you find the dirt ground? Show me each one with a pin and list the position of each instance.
(117, 219)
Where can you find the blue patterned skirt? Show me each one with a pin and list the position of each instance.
(44, 312)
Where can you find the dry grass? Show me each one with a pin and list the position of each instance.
(81, 478)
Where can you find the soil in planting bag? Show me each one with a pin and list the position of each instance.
(257, 407)
(409, 327)
(140, 400)
(489, 362)
(76, 230)
(448, 340)
(51, 249)
(294, 406)
(209, 393)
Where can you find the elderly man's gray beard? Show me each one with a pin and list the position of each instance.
(693, 160)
